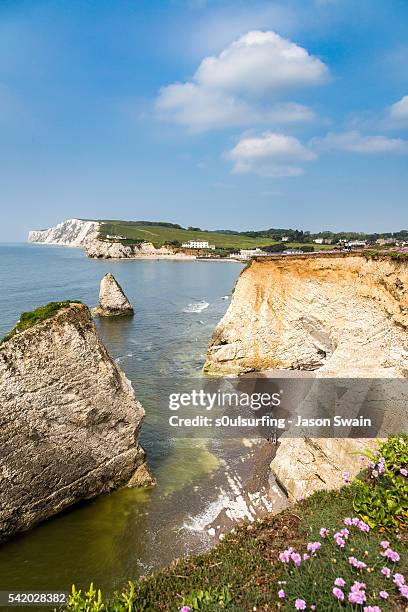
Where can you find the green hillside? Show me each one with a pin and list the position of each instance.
(158, 234)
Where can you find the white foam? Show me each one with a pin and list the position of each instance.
(196, 307)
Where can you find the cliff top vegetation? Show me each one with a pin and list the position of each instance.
(38, 315)
(336, 550)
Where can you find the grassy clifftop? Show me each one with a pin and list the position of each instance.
(159, 234)
(336, 550)
(40, 314)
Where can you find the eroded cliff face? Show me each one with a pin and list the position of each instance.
(72, 233)
(102, 249)
(70, 421)
(340, 315)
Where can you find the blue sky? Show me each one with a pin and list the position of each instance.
(241, 115)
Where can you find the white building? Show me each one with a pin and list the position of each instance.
(285, 239)
(356, 243)
(198, 244)
(248, 253)
(318, 240)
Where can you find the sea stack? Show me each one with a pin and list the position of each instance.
(112, 299)
(70, 419)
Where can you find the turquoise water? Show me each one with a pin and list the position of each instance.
(128, 532)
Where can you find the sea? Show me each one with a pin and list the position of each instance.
(129, 532)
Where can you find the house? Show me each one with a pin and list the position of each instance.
(285, 239)
(385, 241)
(318, 240)
(198, 244)
(354, 244)
(248, 253)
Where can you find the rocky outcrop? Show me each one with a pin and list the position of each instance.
(70, 420)
(339, 315)
(102, 249)
(73, 233)
(112, 299)
(305, 465)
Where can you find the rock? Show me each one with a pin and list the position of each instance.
(142, 477)
(304, 465)
(305, 313)
(103, 249)
(112, 300)
(341, 316)
(70, 421)
(73, 233)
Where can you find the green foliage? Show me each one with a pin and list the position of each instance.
(90, 601)
(244, 571)
(211, 599)
(161, 233)
(382, 491)
(28, 319)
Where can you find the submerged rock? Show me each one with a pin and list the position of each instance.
(70, 420)
(112, 299)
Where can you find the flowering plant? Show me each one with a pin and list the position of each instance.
(382, 491)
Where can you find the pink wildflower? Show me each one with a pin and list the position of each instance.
(404, 472)
(391, 554)
(340, 582)
(296, 558)
(358, 586)
(399, 580)
(404, 591)
(371, 609)
(338, 593)
(383, 594)
(346, 477)
(363, 526)
(384, 544)
(306, 556)
(348, 521)
(284, 556)
(300, 604)
(386, 572)
(312, 547)
(281, 594)
(356, 563)
(324, 532)
(357, 597)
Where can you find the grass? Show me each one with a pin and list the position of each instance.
(244, 570)
(159, 234)
(28, 319)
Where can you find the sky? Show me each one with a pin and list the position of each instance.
(211, 113)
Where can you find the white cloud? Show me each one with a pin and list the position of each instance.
(232, 88)
(270, 155)
(260, 62)
(357, 143)
(399, 110)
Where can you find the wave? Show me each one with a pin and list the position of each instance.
(196, 307)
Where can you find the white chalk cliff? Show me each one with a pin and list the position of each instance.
(73, 233)
(70, 420)
(85, 234)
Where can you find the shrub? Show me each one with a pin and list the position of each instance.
(382, 490)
